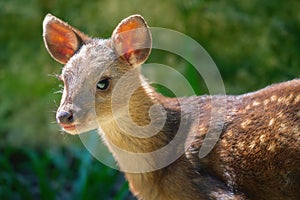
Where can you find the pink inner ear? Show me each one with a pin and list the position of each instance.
(132, 40)
(61, 41)
(127, 36)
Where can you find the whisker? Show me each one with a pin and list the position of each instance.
(55, 76)
(60, 131)
(51, 111)
(58, 92)
(55, 103)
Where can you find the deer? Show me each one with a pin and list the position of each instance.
(257, 155)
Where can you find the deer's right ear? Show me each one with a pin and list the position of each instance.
(61, 40)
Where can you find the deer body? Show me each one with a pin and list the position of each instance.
(256, 157)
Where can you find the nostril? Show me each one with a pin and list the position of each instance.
(70, 119)
(65, 117)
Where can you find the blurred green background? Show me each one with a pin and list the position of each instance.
(253, 42)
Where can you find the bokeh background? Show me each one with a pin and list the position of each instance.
(253, 42)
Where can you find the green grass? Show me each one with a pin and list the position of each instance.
(254, 43)
(66, 173)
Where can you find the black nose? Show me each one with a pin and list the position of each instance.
(64, 117)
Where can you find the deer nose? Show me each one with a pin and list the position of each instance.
(64, 117)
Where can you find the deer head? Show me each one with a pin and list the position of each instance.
(93, 66)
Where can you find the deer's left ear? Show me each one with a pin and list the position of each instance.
(132, 40)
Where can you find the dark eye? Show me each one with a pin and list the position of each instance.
(103, 84)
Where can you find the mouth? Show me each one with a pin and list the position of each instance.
(68, 127)
(77, 128)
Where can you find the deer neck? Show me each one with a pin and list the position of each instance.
(137, 131)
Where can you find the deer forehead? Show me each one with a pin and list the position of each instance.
(92, 61)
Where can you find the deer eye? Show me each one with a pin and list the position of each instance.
(103, 84)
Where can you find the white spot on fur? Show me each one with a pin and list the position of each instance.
(271, 122)
(262, 138)
(248, 107)
(273, 98)
(252, 144)
(288, 99)
(256, 103)
(272, 147)
(266, 101)
(224, 143)
(229, 133)
(297, 99)
(281, 99)
(280, 115)
(240, 145)
(245, 123)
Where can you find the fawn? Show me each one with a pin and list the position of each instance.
(257, 154)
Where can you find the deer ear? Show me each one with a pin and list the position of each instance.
(61, 40)
(132, 40)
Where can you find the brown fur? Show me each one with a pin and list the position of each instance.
(256, 157)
